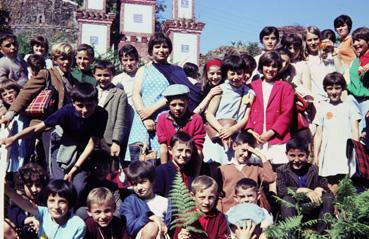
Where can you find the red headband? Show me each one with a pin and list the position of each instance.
(214, 62)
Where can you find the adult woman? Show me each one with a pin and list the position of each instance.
(151, 80)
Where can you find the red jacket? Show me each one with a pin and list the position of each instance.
(278, 112)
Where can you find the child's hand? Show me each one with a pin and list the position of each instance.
(247, 230)
(32, 222)
(5, 120)
(363, 135)
(7, 141)
(115, 150)
(184, 234)
(145, 113)
(266, 136)
(215, 91)
(226, 133)
(314, 197)
(162, 227)
(256, 136)
(69, 176)
(149, 124)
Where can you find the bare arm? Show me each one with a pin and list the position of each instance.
(205, 102)
(355, 130)
(23, 203)
(29, 130)
(317, 144)
(210, 113)
(163, 153)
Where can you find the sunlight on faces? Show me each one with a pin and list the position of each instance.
(83, 60)
(269, 42)
(343, 31)
(9, 47)
(214, 75)
(64, 62)
(360, 47)
(58, 207)
(249, 195)
(181, 153)
(270, 72)
(205, 199)
(236, 78)
(101, 213)
(297, 157)
(33, 190)
(143, 188)
(8, 96)
(241, 153)
(129, 64)
(160, 52)
(103, 77)
(85, 109)
(178, 107)
(312, 43)
(334, 93)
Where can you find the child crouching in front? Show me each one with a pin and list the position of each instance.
(205, 193)
(101, 222)
(146, 213)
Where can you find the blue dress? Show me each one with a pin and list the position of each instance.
(154, 83)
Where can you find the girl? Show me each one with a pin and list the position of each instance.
(40, 46)
(343, 25)
(56, 220)
(336, 122)
(210, 81)
(233, 103)
(271, 112)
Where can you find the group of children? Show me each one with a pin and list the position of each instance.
(233, 147)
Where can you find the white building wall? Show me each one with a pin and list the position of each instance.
(185, 9)
(138, 19)
(184, 48)
(96, 4)
(96, 36)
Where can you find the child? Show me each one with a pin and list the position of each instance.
(56, 220)
(250, 66)
(101, 222)
(178, 119)
(329, 142)
(204, 191)
(192, 72)
(12, 67)
(302, 177)
(84, 58)
(83, 124)
(343, 25)
(210, 81)
(30, 180)
(232, 105)
(241, 166)
(35, 64)
(114, 101)
(271, 113)
(145, 212)
(21, 152)
(181, 150)
(246, 191)
(39, 46)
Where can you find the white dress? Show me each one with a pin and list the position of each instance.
(336, 122)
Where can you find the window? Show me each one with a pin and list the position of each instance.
(185, 48)
(185, 3)
(137, 18)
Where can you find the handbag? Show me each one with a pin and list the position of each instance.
(140, 151)
(44, 103)
(358, 159)
(300, 120)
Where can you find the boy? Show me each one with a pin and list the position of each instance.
(114, 101)
(83, 124)
(145, 212)
(12, 67)
(246, 191)
(84, 58)
(242, 165)
(181, 150)
(192, 72)
(302, 177)
(204, 191)
(179, 119)
(101, 222)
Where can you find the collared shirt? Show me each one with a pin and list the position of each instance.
(103, 93)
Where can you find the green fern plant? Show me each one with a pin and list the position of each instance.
(183, 207)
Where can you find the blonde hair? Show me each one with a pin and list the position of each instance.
(202, 183)
(100, 196)
(60, 49)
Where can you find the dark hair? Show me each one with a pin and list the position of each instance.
(140, 170)
(268, 30)
(28, 173)
(328, 34)
(246, 183)
(159, 38)
(244, 137)
(250, 63)
(7, 35)
(104, 64)
(297, 143)
(36, 62)
(84, 92)
(362, 33)
(283, 51)
(39, 40)
(9, 85)
(100, 157)
(183, 137)
(342, 20)
(334, 78)
(268, 58)
(89, 49)
(61, 188)
(128, 50)
(232, 63)
(191, 70)
(294, 40)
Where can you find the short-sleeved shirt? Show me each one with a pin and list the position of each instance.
(76, 127)
(74, 228)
